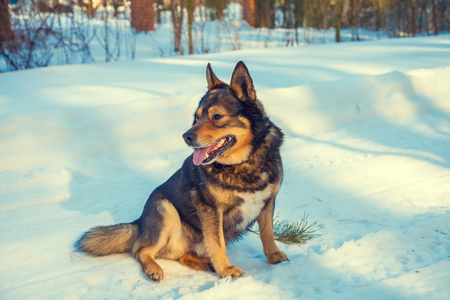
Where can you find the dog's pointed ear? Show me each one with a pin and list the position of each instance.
(212, 79)
(242, 83)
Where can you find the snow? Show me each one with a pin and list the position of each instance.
(367, 155)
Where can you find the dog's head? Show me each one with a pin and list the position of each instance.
(226, 120)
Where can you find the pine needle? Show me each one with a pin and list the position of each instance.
(294, 232)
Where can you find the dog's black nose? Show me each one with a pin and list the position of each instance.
(189, 137)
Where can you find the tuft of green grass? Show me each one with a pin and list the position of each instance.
(294, 232)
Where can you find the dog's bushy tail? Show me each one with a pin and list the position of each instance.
(106, 240)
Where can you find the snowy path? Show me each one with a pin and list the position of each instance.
(367, 154)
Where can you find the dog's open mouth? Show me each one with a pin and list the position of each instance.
(207, 154)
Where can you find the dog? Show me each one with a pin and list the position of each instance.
(227, 184)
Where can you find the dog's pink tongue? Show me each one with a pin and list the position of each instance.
(200, 155)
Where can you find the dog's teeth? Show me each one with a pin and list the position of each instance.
(219, 144)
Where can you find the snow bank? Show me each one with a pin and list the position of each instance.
(367, 154)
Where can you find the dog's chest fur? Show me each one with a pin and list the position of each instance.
(252, 205)
(240, 206)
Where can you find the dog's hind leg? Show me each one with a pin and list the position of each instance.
(146, 257)
(160, 237)
(196, 262)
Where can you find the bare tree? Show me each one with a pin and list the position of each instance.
(89, 7)
(353, 18)
(218, 6)
(339, 6)
(177, 12)
(265, 13)
(190, 14)
(159, 9)
(434, 17)
(248, 11)
(413, 17)
(116, 4)
(106, 39)
(45, 35)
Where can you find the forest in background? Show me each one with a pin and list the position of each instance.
(36, 33)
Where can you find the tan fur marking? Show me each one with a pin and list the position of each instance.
(241, 150)
(172, 243)
(232, 271)
(221, 111)
(212, 91)
(212, 226)
(195, 262)
(149, 266)
(220, 195)
(211, 95)
(200, 112)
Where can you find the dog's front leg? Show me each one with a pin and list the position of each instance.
(212, 227)
(265, 223)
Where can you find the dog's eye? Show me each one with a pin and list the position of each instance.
(217, 117)
(195, 117)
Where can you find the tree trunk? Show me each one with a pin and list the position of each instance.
(6, 33)
(105, 16)
(377, 15)
(190, 15)
(142, 15)
(434, 17)
(264, 13)
(299, 13)
(354, 18)
(248, 11)
(177, 22)
(413, 17)
(397, 19)
(339, 5)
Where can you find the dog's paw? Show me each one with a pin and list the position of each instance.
(232, 271)
(155, 276)
(154, 272)
(277, 257)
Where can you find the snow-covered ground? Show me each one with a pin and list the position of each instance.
(367, 155)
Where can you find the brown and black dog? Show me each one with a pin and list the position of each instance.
(228, 183)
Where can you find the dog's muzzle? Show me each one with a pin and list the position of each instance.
(190, 138)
